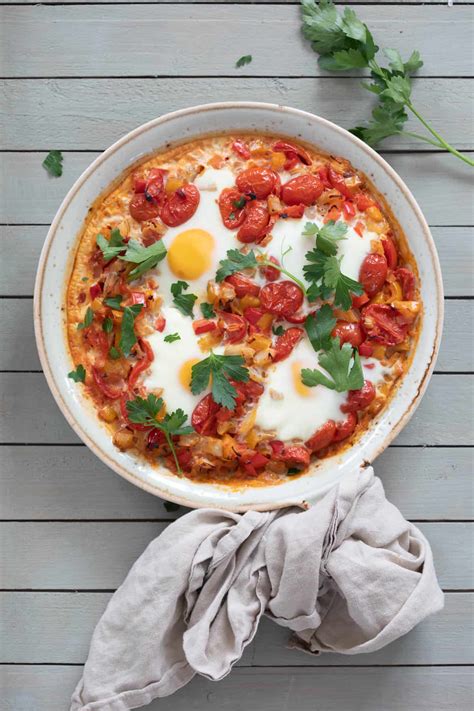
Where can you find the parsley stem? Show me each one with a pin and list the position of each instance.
(441, 140)
(418, 136)
(173, 450)
(268, 263)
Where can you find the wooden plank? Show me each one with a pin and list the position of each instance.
(220, 30)
(444, 638)
(97, 555)
(437, 180)
(105, 109)
(443, 417)
(230, 2)
(455, 248)
(49, 688)
(18, 348)
(45, 483)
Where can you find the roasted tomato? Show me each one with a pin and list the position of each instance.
(204, 325)
(241, 149)
(281, 298)
(258, 182)
(232, 216)
(243, 285)
(291, 151)
(390, 251)
(346, 428)
(111, 386)
(255, 223)
(359, 399)
(293, 211)
(348, 333)
(180, 206)
(407, 280)
(235, 326)
(346, 184)
(295, 455)
(304, 189)
(384, 324)
(143, 209)
(323, 437)
(363, 201)
(204, 417)
(373, 273)
(271, 273)
(142, 364)
(359, 301)
(285, 343)
(155, 438)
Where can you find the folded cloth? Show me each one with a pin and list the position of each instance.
(348, 575)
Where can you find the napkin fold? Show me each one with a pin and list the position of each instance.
(348, 575)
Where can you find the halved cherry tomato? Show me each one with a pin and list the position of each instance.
(111, 388)
(346, 428)
(235, 326)
(365, 349)
(359, 301)
(373, 273)
(204, 325)
(243, 285)
(241, 149)
(323, 176)
(295, 455)
(323, 437)
(348, 333)
(255, 223)
(160, 323)
(270, 273)
(390, 252)
(142, 364)
(277, 447)
(180, 206)
(282, 298)
(297, 318)
(155, 438)
(339, 182)
(363, 201)
(232, 216)
(142, 209)
(289, 149)
(359, 399)
(285, 343)
(253, 314)
(348, 209)
(407, 280)
(295, 211)
(384, 324)
(204, 415)
(154, 184)
(139, 184)
(304, 189)
(258, 182)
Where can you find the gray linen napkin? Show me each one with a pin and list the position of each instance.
(348, 575)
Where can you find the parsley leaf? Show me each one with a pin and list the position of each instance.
(112, 247)
(319, 328)
(107, 325)
(327, 235)
(78, 375)
(183, 302)
(342, 364)
(278, 330)
(127, 333)
(246, 59)
(221, 369)
(235, 262)
(114, 302)
(114, 353)
(207, 310)
(88, 318)
(53, 163)
(145, 257)
(172, 337)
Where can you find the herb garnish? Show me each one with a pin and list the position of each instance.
(172, 337)
(221, 369)
(112, 247)
(127, 332)
(246, 59)
(145, 257)
(107, 325)
(88, 318)
(235, 262)
(278, 330)
(78, 375)
(114, 353)
(207, 310)
(53, 163)
(342, 364)
(183, 302)
(114, 302)
(319, 327)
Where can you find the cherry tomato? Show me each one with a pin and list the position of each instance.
(243, 285)
(285, 343)
(251, 389)
(363, 201)
(346, 428)
(295, 455)
(270, 273)
(295, 211)
(241, 149)
(259, 460)
(277, 447)
(112, 387)
(407, 279)
(253, 314)
(323, 176)
(142, 209)
(180, 206)
(390, 252)
(155, 438)
(323, 437)
(373, 273)
(204, 418)
(346, 185)
(235, 326)
(154, 184)
(281, 298)
(142, 364)
(365, 349)
(299, 317)
(258, 182)
(204, 325)
(359, 301)
(359, 399)
(184, 456)
(303, 189)
(384, 324)
(289, 148)
(139, 184)
(232, 216)
(255, 223)
(348, 333)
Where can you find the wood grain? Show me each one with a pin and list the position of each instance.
(106, 109)
(206, 40)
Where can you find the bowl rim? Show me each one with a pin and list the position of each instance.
(102, 158)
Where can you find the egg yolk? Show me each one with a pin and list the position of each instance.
(300, 387)
(184, 374)
(190, 254)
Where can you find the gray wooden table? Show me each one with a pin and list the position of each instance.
(77, 76)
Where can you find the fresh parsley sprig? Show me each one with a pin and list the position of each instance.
(326, 236)
(319, 328)
(242, 61)
(53, 163)
(145, 257)
(145, 412)
(344, 43)
(342, 364)
(112, 247)
(88, 318)
(237, 261)
(183, 302)
(207, 310)
(78, 375)
(220, 369)
(128, 337)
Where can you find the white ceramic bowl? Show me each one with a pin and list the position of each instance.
(56, 261)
